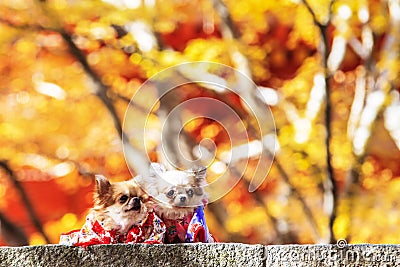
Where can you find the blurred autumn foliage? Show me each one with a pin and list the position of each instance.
(329, 70)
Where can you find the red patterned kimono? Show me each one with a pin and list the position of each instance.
(190, 229)
(150, 231)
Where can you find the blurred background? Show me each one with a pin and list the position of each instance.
(329, 71)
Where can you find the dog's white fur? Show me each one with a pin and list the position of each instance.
(177, 193)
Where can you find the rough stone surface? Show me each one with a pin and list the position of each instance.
(220, 254)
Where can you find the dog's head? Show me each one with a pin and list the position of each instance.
(119, 204)
(176, 188)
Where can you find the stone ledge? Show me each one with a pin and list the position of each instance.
(220, 254)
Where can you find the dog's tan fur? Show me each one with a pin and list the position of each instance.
(110, 209)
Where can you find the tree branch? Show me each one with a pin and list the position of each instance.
(299, 197)
(313, 15)
(282, 237)
(133, 157)
(330, 187)
(23, 26)
(11, 234)
(101, 89)
(229, 31)
(382, 83)
(31, 212)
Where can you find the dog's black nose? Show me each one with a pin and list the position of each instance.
(182, 199)
(136, 203)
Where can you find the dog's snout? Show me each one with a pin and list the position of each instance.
(136, 203)
(182, 199)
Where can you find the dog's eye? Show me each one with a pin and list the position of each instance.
(190, 193)
(171, 193)
(123, 199)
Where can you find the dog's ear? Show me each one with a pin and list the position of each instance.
(102, 185)
(103, 191)
(156, 169)
(199, 173)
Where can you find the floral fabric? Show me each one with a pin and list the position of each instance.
(190, 229)
(150, 231)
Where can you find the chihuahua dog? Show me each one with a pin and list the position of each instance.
(119, 215)
(177, 193)
(118, 206)
(179, 201)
